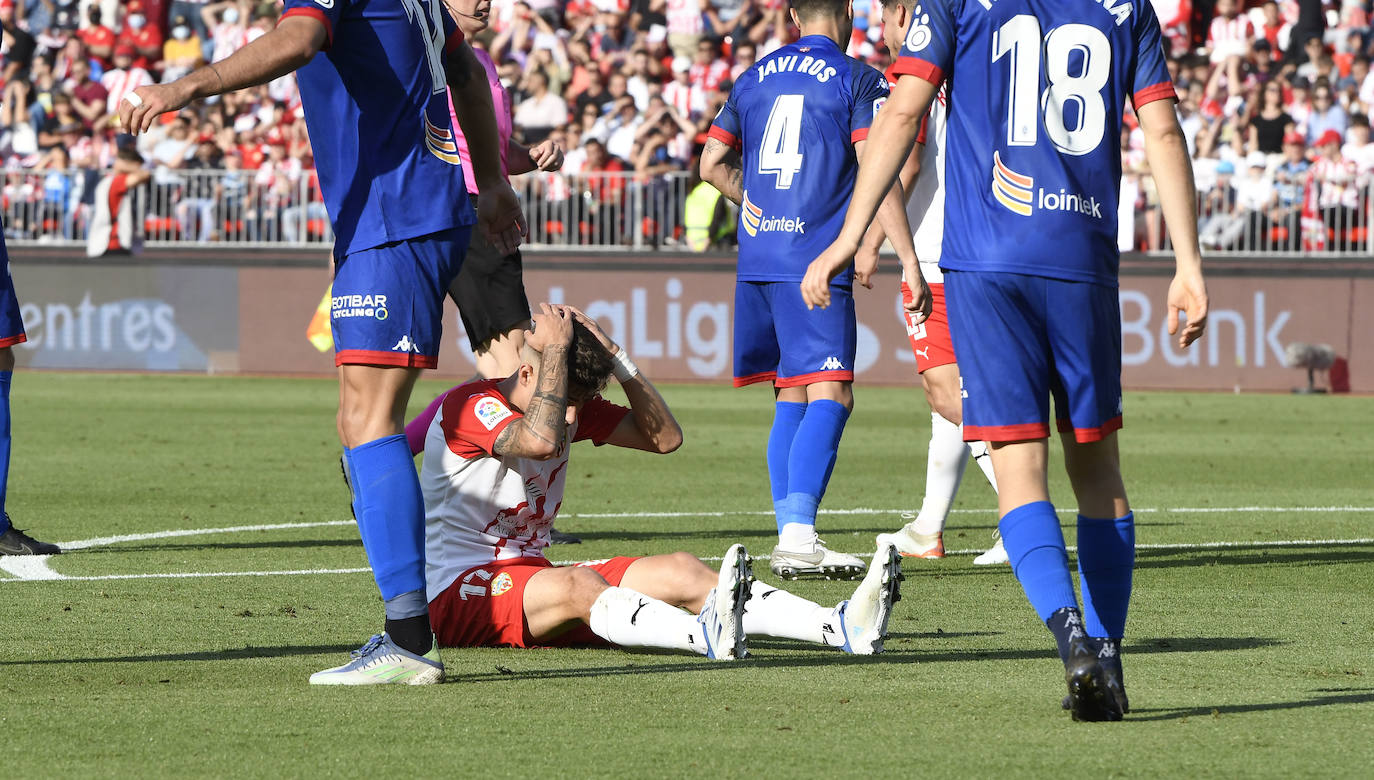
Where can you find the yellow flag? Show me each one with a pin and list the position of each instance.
(318, 331)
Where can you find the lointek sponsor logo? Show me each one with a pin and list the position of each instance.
(1087, 205)
(132, 325)
(755, 222)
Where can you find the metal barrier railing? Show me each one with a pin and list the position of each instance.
(602, 211)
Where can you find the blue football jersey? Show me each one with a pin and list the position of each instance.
(794, 117)
(376, 106)
(1036, 95)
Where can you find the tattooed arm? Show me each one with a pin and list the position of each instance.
(650, 426)
(721, 168)
(541, 432)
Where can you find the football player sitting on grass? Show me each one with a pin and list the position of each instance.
(494, 470)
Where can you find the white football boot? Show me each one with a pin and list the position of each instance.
(863, 618)
(722, 616)
(818, 563)
(994, 556)
(383, 662)
(912, 544)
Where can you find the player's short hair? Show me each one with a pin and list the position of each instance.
(810, 9)
(907, 4)
(589, 365)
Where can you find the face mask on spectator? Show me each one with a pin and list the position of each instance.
(231, 15)
(136, 21)
(181, 32)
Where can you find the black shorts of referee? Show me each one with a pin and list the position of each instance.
(489, 291)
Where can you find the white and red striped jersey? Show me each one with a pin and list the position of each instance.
(684, 17)
(482, 507)
(689, 100)
(120, 82)
(1230, 37)
(1337, 181)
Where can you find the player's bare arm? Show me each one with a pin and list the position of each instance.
(650, 426)
(1167, 152)
(498, 208)
(891, 138)
(873, 239)
(282, 50)
(540, 432)
(892, 218)
(721, 168)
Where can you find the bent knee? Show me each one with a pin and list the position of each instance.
(946, 402)
(584, 587)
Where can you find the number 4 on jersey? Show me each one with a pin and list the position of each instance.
(780, 153)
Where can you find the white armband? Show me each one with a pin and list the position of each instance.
(625, 369)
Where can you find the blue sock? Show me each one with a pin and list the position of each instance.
(391, 520)
(5, 377)
(1106, 556)
(812, 459)
(787, 415)
(1035, 545)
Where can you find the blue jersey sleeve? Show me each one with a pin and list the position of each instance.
(327, 12)
(928, 50)
(1151, 81)
(726, 127)
(870, 92)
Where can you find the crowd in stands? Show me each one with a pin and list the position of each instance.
(1274, 100)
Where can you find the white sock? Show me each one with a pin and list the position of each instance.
(630, 619)
(774, 612)
(798, 537)
(982, 455)
(945, 462)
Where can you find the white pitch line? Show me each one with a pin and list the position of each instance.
(105, 541)
(187, 575)
(869, 511)
(51, 576)
(36, 568)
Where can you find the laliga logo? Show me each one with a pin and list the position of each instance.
(918, 37)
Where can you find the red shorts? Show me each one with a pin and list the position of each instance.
(930, 341)
(485, 606)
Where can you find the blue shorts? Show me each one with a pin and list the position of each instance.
(778, 340)
(388, 301)
(1022, 339)
(11, 323)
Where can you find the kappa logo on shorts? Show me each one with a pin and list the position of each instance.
(832, 363)
(490, 411)
(406, 344)
(345, 306)
(501, 584)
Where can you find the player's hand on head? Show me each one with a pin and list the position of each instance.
(1188, 294)
(595, 329)
(500, 219)
(553, 325)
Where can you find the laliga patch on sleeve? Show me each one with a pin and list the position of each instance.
(490, 411)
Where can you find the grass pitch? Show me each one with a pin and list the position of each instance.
(1247, 654)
